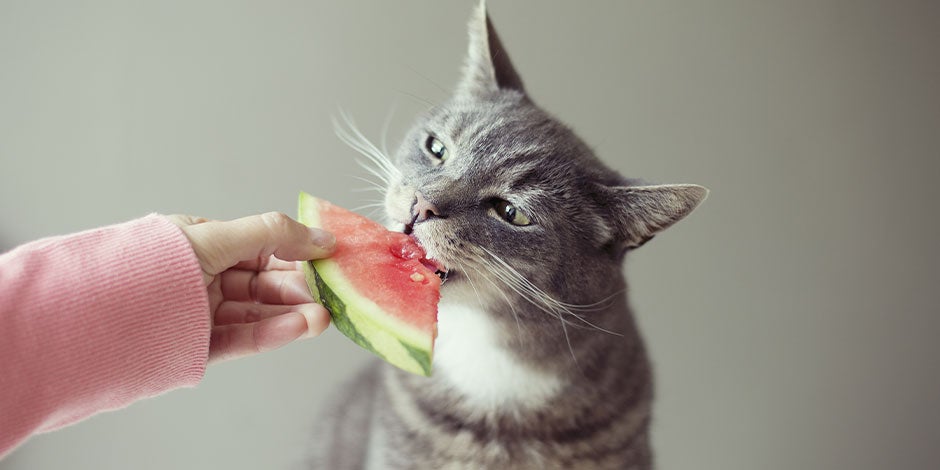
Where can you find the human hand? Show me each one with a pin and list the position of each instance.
(258, 298)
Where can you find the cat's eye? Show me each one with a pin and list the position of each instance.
(509, 213)
(436, 148)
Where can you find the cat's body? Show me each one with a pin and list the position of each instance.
(519, 416)
(538, 363)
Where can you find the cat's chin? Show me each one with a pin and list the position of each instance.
(439, 268)
(431, 260)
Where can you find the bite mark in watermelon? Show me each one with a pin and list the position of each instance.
(379, 287)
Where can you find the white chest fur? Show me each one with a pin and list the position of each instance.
(468, 355)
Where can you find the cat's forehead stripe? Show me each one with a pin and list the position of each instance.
(525, 175)
(458, 125)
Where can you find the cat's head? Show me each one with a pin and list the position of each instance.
(511, 201)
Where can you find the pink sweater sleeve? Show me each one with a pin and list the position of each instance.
(96, 320)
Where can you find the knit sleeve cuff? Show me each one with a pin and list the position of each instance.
(125, 316)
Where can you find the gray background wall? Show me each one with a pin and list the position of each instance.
(792, 318)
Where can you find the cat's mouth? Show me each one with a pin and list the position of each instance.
(429, 261)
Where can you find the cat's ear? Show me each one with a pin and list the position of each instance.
(487, 68)
(640, 212)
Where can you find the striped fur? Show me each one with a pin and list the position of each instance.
(540, 361)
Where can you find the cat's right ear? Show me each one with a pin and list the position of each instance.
(487, 68)
(640, 212)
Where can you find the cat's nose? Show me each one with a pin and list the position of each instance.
(423, 209)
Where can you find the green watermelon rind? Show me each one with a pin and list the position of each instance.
(357, 317)
(361, 322)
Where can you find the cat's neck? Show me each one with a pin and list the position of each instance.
(488, 362)
(472, 357)
(484, 389)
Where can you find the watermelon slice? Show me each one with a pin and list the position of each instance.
(379, 287)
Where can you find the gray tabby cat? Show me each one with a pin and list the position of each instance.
(538, 363)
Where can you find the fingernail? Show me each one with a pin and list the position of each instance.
(322, 238)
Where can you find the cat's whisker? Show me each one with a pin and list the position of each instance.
(557, 314)
(381, 167)
(383, 136)
(534, 300)
(381, 157)
(374, 205)
(510, 281)
(528, 296)
(564, 330)
(351, 136)
(505, 297)
(529, 285)
(512, 309)
(428, 79)
(537, 296)
(417, 98)
(374, 171)
(475, 291)
(373, 186)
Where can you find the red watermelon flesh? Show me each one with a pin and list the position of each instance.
(392, 264)
(379, 286)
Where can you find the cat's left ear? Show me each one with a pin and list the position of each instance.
(487, 68)
(640, 212)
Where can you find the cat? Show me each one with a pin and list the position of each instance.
(538, 362)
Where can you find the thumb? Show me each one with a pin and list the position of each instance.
(221, 245)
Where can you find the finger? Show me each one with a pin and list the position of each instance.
(269, 287)
(223, 244)
(271, 263)
(318, 318)
(233, 341)
(233, 312)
